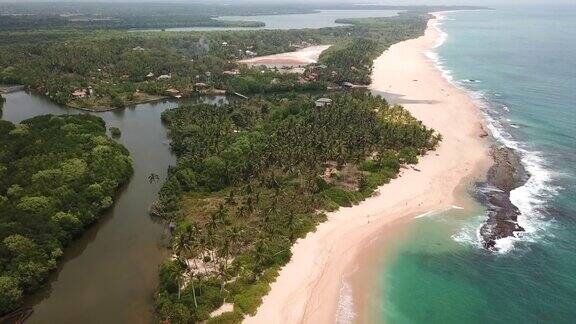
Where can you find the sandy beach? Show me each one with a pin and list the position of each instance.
(301, 57)
(308, 287)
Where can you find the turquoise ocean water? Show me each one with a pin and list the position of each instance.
(520, 64)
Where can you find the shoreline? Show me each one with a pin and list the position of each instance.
(308, 288)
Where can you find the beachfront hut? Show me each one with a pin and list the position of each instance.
(80, 93)
(164, 77)
(231, 72)
(323, 102)
(173, 92)
(200, 85)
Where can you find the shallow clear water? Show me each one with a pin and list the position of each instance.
(520, 63)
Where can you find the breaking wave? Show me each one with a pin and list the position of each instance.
(345, 313)
(531, 198)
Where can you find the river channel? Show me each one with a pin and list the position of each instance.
(109, 274)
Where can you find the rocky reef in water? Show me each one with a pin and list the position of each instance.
(506, 174)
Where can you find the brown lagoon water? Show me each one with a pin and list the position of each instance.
(109, 274)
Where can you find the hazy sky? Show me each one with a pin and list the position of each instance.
(382, 2)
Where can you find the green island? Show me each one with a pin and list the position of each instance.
(57, 175)
(254, 176)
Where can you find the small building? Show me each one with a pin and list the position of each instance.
(150, 75)
(138, 48)
(224, 44)
(164, 77)
(213, 92)
(200, 85)
(250, 53)
(323, 102)
(173, 92)
(80, 93)
(348, 85)
(231, 72)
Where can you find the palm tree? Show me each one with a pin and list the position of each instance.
(153, 178)
(183, 247)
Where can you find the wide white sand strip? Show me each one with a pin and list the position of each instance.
(305, 56)
(308, 287)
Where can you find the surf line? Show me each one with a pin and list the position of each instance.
(435, 212)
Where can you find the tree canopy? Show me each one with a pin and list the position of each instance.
(57, 175)
(253, 176)
(119, 68)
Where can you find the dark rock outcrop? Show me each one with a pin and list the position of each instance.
(506, 174)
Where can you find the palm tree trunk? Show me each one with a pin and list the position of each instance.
(193, 291)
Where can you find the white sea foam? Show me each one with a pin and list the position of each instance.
(345, 313)
(469, 234)
(531, 198)
(423, 215)
(431, 213)
(436, 23)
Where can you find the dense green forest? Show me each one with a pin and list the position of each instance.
(29, 16)
(123, 68)
(255, 175)
(57, 175)
(97, 22)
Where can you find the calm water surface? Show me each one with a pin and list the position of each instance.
(324, 18)
(110, 273)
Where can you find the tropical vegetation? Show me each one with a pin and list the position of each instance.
(98, 70)
(57, 175)
(254, 176)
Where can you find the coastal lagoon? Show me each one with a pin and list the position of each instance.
(320, 19)
(519, 63)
